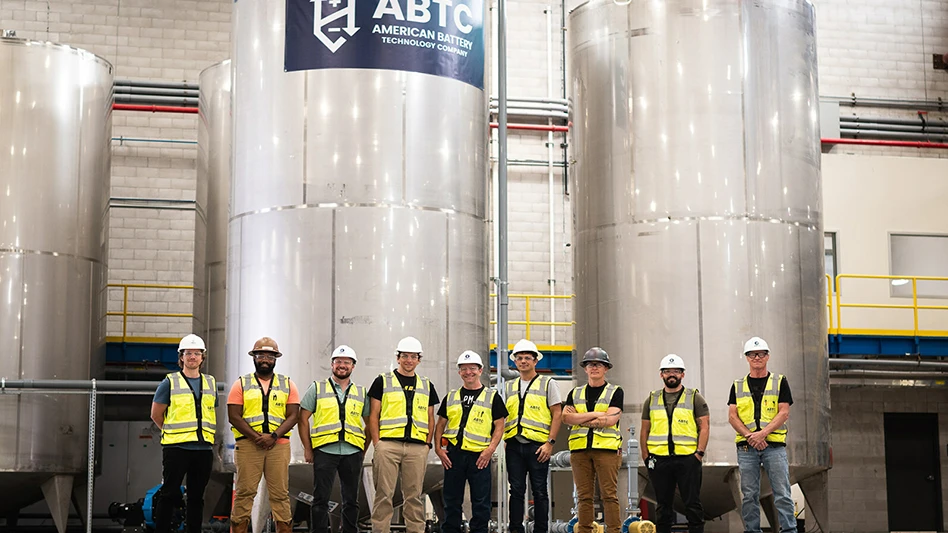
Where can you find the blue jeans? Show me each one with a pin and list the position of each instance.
(464, 470)
(774, 461)
(522, 459)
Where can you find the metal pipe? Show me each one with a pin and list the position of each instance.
(854, 101)
(83, 385)
(564, 107)
(529, 127)
(878, 142)
(896, 121)
(914, 128)
(123, 140)
(533, 113)
(529, 163)
(157, 100)
(154, 108)
(892, 363)
(159, 84)
(554, 101)
(156, 91)
(549, 170)
(885, 374)
(890, 135)
(90, 474)
(502, 300)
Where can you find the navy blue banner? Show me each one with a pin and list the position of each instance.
(440, 37)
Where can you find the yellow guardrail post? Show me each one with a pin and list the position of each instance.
(124, 313)
(839, 295)
(915, 304)
(527, 316)
(829, 300)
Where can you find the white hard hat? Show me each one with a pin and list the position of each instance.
(469, 357)
(672, 361)
(191, 342)
(408, 345)
(524, 345)
(756, 344)
(344, 351)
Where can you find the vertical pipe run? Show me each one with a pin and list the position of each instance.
(502, 509)
(90, 465)
(549, 169)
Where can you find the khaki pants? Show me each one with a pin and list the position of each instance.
(390, 457)
(587, 466)
(274, 466)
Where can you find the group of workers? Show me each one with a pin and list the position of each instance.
(337, 419)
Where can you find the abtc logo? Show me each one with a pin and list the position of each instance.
(319, 22)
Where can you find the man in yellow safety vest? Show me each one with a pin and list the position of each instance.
(470, 426)
(675, 430)
(595, 442)
(401, 417)
(758, 410)
(185, 410)
(336, 441)
(263, 408)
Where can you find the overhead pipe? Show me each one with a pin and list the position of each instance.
(922, 137)
(156, 100)
(156, 91)
(154, 108)
(529, 127)
(854, 101)
(161, 84)
(894, 121)
(123, 140)
(884, 374)
(884, 142)
(892, 363)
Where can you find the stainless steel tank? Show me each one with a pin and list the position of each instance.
(697, 214)
(358, 212)
(55, 126)
(212, 193)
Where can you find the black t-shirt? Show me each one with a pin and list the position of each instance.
(498, 409)
(592, 396)
(757, 386)
(408, 385)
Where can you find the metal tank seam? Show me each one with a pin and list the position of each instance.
(447, 307)
(404, 140)
(305, 131)
(700, 305)
(332, 287)
(24, 251)
(710, 218)
(335, 205)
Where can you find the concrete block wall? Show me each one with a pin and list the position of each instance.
(857, 481)
(161, 40)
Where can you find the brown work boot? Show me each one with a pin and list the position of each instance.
(239, 528)
(284, 527)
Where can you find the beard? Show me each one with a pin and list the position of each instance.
(264, 368)
(672, 382)
(342, 373)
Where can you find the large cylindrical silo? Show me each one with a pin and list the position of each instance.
(697, 216)
(56, 117)
(358, 201)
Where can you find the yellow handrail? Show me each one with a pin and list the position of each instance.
(914, 306)
(527, 322)
(829, 301)
(125, 313)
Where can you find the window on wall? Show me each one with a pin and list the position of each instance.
(829, 257)
(918, 255)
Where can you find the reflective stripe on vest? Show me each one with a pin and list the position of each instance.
(394, 413)
(328, 425)
(684, 430)
(256, 411)
(530, 418)
(182, 416)
(475, 435)
(603, 438)
(768, 407)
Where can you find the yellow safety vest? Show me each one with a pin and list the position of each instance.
(684, 430)
(603, 438)
(476, 432)
(768, 407)
(531, 417)
(394, 415)
(256, 411)
(183, 418)
(335, 422)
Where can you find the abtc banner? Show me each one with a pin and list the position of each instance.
(440, 37)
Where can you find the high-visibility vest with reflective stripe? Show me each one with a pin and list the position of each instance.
(254, 413)
(476, 431)
(530, 417)
(335, 422)
(684, 429)
(394, 414)
(183, 418)
(608, 438)
(768, 407)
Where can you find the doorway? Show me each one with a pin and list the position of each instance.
(913, 480)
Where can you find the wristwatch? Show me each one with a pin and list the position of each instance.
(700, 453)
(552, 441)
(275, 436)
(430, 446)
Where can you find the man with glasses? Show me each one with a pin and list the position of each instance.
(758, 410)
(185, 410)
(595, 442)
(675, 430)
(336, 441)
(401, 419)
(263, 408)
(534, 409)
